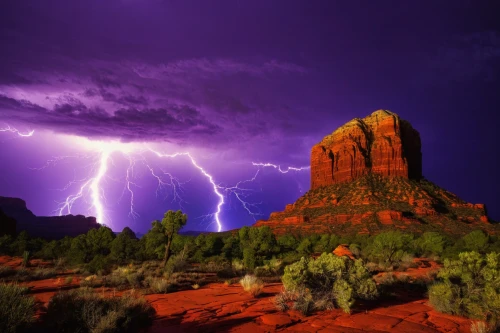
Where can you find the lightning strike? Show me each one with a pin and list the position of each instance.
(210, 179)
(134, 153)
(278, 167)
(15, 130)
(96, 191)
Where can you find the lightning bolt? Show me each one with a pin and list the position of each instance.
(15, 130)
(278, 167)
(208, 176)
(91, 187)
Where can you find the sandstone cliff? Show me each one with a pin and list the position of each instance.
(381, 143)
(367, 177)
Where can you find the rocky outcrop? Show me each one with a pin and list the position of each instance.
(366, 177)
(343, 250)
(48, 227)
(381, 143)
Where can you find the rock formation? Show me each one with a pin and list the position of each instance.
(366, 177)
(381, 143)
(48, 227)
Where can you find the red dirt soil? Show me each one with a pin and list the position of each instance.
(221, 308)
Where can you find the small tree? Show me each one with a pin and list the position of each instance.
(170, 225)
(389, 247)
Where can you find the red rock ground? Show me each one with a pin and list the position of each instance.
(221, 308)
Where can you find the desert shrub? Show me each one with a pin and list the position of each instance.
(290, 257)
(43, 273)
(5, 244)
(479, 327)
(100, 264)
(282, 300)
(387, 279)
(469, 287)
(23, 274)
(83, 310)
(305, 247)
(345, 279)
(430, 243)
(177, 263)
(476, 241)
(237, 265)
(406, 261)
(304, 302)
(26, 259)
(6, 271)
(249, 258)
(91, 281)
(124, 277)
(355, 249)
(158, 285)
(251, 284)
(17, 309)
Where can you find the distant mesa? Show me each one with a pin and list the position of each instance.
(48, 227)
(366, 177)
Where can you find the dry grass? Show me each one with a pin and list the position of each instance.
(479, 327)
(6, 271)
(252, 285)
(84, 310)
(17, 309)
(158, 285)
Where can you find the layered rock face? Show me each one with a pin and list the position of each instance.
(48, 227)
(381, 143)
(367, 177)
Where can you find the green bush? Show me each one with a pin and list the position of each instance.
(430, 243)
(17, 309)
(342, 278)
(469, 286)
(476, 241)
(249, 258)
(83, 310)
(100, 263)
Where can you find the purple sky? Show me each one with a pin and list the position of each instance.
(233, 82)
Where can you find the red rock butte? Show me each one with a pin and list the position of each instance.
(366, 177)
(381, 143)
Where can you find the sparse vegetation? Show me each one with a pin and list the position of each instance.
(101, 259)
(158, 285)
(251, 284)
(17, 309)
(469, 287)
(83, 310)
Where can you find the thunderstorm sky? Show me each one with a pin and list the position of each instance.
(234, 82)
